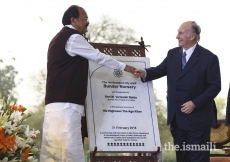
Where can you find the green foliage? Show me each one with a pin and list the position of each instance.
(169, 156)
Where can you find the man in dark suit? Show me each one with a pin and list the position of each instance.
(228, 109)
(193, 80)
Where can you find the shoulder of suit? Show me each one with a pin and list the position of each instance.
(205, 51)
(174, 50)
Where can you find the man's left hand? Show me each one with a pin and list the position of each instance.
(188, 107)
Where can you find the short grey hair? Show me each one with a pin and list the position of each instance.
(196, 29)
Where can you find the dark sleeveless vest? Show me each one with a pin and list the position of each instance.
(66, 75)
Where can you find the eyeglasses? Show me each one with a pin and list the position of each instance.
(85, 18)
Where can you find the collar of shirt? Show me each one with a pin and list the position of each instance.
(189, 52)
(70, 26)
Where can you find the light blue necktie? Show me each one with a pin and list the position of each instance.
(184, 59)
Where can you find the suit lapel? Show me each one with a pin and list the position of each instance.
(191, 62)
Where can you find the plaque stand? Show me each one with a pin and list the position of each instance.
(123, 50)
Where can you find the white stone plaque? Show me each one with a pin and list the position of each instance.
(121, 113)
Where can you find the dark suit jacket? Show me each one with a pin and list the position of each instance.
(228, 109)
(199, 82)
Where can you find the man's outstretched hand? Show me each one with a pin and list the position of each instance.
(130, 69)
(139, 73)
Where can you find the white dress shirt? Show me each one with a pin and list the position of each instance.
(189, 52)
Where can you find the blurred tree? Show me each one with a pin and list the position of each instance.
(165, 134)
(38, 81)
(109, 30)
(220, 105)
(7, 79)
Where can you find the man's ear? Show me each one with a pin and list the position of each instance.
(193, 37)
(72, 20)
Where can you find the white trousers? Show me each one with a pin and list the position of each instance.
(62, 140)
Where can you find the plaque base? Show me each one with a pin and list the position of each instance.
(139, 158)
